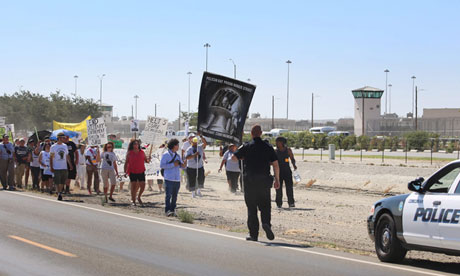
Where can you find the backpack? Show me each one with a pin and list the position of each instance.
(162, 171)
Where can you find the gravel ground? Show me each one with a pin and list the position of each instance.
(333, 201)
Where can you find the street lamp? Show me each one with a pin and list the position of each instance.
(207, 45)
(389, 96)
(413, 94)
(234, 68)
(416, 106)
(101, 77)
(386, 90)
(135, 105)
(273, 111)
(76, 78)
(313, 96)
(287, 96)
(189, 75)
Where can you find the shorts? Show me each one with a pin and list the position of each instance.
(46, 177)
(60, 177)
(108, 175)
(137, 177)
(72, 174)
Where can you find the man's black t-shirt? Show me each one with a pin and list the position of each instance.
(21, 154)
(257, 156)
(72, 149)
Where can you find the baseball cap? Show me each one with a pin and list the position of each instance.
(191, 135)
(195, 140)
(22, 140)
(61, 134)
(5, 136)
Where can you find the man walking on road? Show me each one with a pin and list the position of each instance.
(58, 163)
(72, 173)
(284, 154)
(7, 163)
(22, 158)
(258, 156)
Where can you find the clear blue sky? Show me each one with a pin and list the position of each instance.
(147, 47)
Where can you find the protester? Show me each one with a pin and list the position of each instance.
(135, 167)
(7, 163)
(47, 175)
(60, 163)
(81, 167)
(22, 158)
(232, 168)
(258, 157)
(72, 173)
(284, 155)
(195, 170)
(93, 158)
(109, 170)
(30, 148)
(171, 163)
(35, 167)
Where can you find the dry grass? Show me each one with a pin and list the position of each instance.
(388, 189)
(310, 183)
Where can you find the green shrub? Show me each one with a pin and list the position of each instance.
(185, 216)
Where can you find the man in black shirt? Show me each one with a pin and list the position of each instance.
(22, 158)
(285, 154)
(72, 173)
(258, 157)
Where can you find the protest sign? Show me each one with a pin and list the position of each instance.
(134, 126)
(97, 132)
(2, 121)
(223, 107)
(155, 131)
(7, 129)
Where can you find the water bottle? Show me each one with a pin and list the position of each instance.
(297, 178)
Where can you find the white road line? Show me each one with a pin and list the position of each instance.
(237, 238)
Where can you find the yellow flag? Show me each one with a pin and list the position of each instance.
(79, 127)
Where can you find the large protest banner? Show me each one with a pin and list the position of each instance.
(97, 132)
(77, 127)
(223, 107)
(155, 131)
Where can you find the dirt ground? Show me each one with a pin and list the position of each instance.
(333, 201)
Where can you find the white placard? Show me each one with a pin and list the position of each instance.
(97, 132)
(134, 126)
(155, 131)
(2, 121)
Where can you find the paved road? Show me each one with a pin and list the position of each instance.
(41, 236)
(399, 154)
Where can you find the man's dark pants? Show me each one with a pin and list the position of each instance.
(286, 178)
(257, 197)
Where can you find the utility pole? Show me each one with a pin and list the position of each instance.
(179, 118)
(189, 75)
(413, 95)
(287, 100)
(386, 90)
(135, 102)
(389, 96)
(76, 79)
(416, 108)
(312, 105)
(207, 45)
(273, 112)
(234, 68)
(101, 77)
(364, 132)
(155, 110)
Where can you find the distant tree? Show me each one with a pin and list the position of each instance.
(27, 110)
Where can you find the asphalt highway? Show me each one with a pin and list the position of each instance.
(41, 236)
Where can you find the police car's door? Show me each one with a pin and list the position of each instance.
(450, 226)
(418, 229)
(422, 214)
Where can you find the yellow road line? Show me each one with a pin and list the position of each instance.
(57, 251)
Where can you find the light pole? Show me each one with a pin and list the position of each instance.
(273, 112)
(101, 77)
(413, 94)
(287, 96)
(207, 45)
(416, 106)
(313, 96)
(76, 79)
(389, 96)
(386, 90)
(135, 105)
(155, 110)
(189, 76)
(234, 68)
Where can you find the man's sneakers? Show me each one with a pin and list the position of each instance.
(193, 194)
(111, 199)
(251, 238)
(198, 193)
(292, 205)
(268, 231)
(59, 197)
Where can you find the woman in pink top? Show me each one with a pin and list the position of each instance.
(134, 166)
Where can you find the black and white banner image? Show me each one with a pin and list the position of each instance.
(223, 107)
(97, 132)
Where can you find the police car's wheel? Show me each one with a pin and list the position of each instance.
(387, 245)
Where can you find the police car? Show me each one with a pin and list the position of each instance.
(427, 219)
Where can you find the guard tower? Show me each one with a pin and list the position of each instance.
(367, 108)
